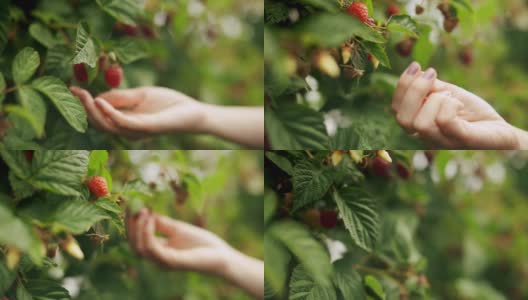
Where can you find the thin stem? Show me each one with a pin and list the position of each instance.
(9, 90)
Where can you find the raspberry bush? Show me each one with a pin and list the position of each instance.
(331, 66)
(410, 225)
(46, 46)
(60, 240)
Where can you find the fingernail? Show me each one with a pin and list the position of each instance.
(413, 68)
(429, 74)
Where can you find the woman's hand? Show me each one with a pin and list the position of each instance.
(447, 116)
(142, 111)
(185, 247)
(146, 111)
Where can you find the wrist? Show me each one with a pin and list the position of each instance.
(522, 138)
(208, 121)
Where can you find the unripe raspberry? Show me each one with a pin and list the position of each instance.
(328, 218)
(114, 75)
(70, 246)
(337, 156)
(384, 155)
(326, 63)
(98, 186)
(359, 10)
(312, 217)
(12, 257)
(346, 53)
(80, 72)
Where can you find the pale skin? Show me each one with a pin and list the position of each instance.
(182, 246)
(146, 111)
(446, 116)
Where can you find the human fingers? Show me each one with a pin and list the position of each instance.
(95, 116)
(425, 124)
(448, 122)
(131, 225)
(141, 230)
(413, 98)
(406, 79)
(124, 98)
(121, 120)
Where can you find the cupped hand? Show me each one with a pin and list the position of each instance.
(446, 116)
(142, 111)
(182, 246)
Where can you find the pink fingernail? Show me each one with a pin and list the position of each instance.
(413, 68)
(429, 74)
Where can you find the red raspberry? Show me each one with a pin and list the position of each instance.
(466, 57)
(148, 32)
(393, 9)
(29, 155)
(380, 167)
(403, 171)
(328, 218)
(113, 75)
(81, 74)
(359, 10)
(127, 29)
(98, 186)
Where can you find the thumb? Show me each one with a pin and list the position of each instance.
(123, 98)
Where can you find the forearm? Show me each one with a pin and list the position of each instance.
(242, 125)
(246, 272)
(522, 137)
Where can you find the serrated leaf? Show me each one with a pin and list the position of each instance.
(42, 289)
(303, 287)
(7, 277)
(126, 11)
(42, 35)
(24, 114)
(374, 288)
(70, 107)
(16, 161)
(404, 24)
(464, 3)
(4, 25)
(21, 188)
(65, 214)
(333, 29)
(307, 250)
(276, 259)
(348, 280)
(270, 205)
(59, 171)
(129, 50)
(25, 64)
(85, 50)
(295, 127)
(58, 61)
(379, 52)
(359, 213)
(108, 205)
(2, 88)
(35, 105)
(311, 181)
(22, 293)
(280, 161)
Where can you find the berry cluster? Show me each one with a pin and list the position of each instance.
(113, 73)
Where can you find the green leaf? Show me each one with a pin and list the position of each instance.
(7, 277)
(374, 288)
(21, 188)
(59, 171)
(311, 181)
(130, 50)
(378, 51)
(270, 206)
(85, 50)
(97, 161)
(404, 24)
(345, 139)
(58, 62)
(464, 3)
(16, 161)
(295, 127)
(2, 88)
(359, 213)
(22, 293)
(308, 251)
(333, 29)
(348, 280)
(65, 214)
(25, 64)
(108, 205)
(423, 49)
(280, 161)
(27, 116)
(35, 105)
(276, 258)
(70, 107)
(324, 4)
(42, 289)
(42, 35)
(126, 11)
(303, 287)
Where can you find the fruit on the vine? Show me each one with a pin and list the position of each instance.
(392, 10)
(402, 170)
(114, 75)
(127, 29)
(29, 155)
(383, 154)
(450, 23)
(419, 9)
(466, 56)
(311, 217)
(326, 63)
(148, 32)
(80, 72)
(346, 53)
(328, 218)
(450, 18)
(337, 156)
(380, 167)
(405, 47)
(359, 10)
(98, 186)
(12, 257)
(371, 22)
(70, 246)
(51, 251)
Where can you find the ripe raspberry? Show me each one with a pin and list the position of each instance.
(98, 186)
(113, 75)
(405, 47)
(81, 74)
(127, 29)
(312, 217)
(148, 32)
(359, 10)
(328, 218)
(29, 155)
(393, 9)
(403, 171)
(466, 57)
(380, 167)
